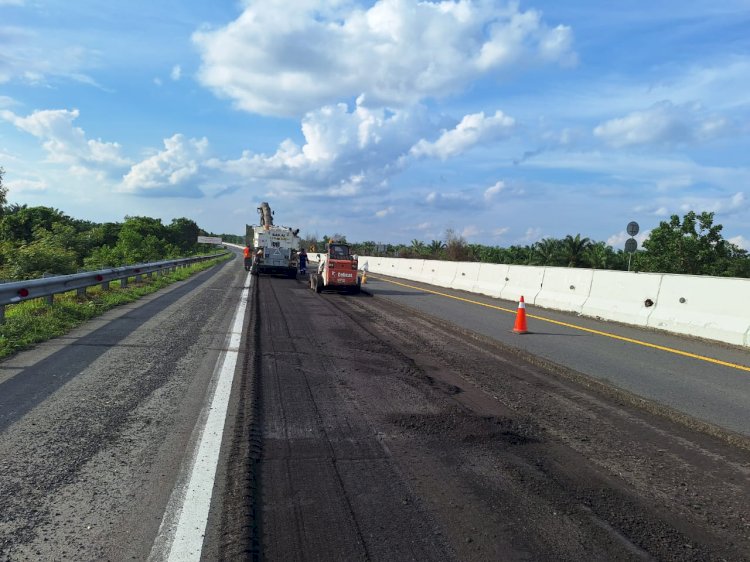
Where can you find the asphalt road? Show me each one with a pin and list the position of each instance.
(700, 389)
(95, 426)
(376, 432)
(353, 428)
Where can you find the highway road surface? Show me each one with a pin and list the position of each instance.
(238, 418)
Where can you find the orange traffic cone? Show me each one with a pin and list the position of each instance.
(520, 327)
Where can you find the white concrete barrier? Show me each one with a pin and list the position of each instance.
(443, 272)
(410, 269)
(716, 308)
(711, 307)
(565, 288)
(522, 280)
(622, 296)
(491, 279)
(466, 276)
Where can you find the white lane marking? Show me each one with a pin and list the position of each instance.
(193, 500)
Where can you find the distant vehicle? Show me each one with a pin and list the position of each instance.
(279, 245)
(337, 270)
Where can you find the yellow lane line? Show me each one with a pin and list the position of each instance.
(576, 327)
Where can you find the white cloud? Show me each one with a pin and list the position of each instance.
(470, 231)
(663, 123)
(617, 241)
(172, 171)
(498, 232)
(450, 200)
(176, 73)
(397, 51)
(490, 192)
(472, 130)
(740, 241)
(66, 143)
(344, 153)
(26, 186)
(726, 205)
(31, 57)
(385, 212)
(533, 234)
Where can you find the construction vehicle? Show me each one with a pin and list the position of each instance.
(274, 249)
(337, 270)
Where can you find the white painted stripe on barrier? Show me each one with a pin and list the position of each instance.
(185, 538)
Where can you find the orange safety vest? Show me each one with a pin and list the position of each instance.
(246, 251)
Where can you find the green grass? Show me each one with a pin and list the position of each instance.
(34, 321)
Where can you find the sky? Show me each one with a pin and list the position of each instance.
(389, 121)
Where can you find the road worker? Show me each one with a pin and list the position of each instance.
(247, 252)
(303, 261)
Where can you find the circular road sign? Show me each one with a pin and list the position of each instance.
(633, 228)
(631, 245)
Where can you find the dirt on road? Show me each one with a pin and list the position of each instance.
(368, 431)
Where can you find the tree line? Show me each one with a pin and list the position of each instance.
(691, 245)
(38, 241)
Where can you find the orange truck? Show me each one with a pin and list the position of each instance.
(337, 270)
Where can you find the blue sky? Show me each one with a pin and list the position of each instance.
(388, 121)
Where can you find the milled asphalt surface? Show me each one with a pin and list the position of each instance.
(712, 393)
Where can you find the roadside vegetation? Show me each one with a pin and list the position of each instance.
(691, 245)
(42, 241)
(39, 241)
(34, 321)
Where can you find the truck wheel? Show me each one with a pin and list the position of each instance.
(318, 285)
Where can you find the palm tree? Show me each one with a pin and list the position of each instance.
(574, 248)
(597, 255)
(546, 251)
(418, 247)
(435, 247)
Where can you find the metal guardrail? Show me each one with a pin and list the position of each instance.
(48, 287)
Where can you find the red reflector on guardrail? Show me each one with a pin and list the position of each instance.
(99, 277)
(23, 293)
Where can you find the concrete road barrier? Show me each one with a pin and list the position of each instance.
(411, 269)
(565, 288)
(466, 276)
(491, 279)
(441, 273)
(622, 296)
(523, 280)
(709, 307)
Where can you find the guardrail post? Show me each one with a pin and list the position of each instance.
(123, 282)
(138, 278)
(105, 286)
(2, 314)
(50, 299)
(81, 292)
